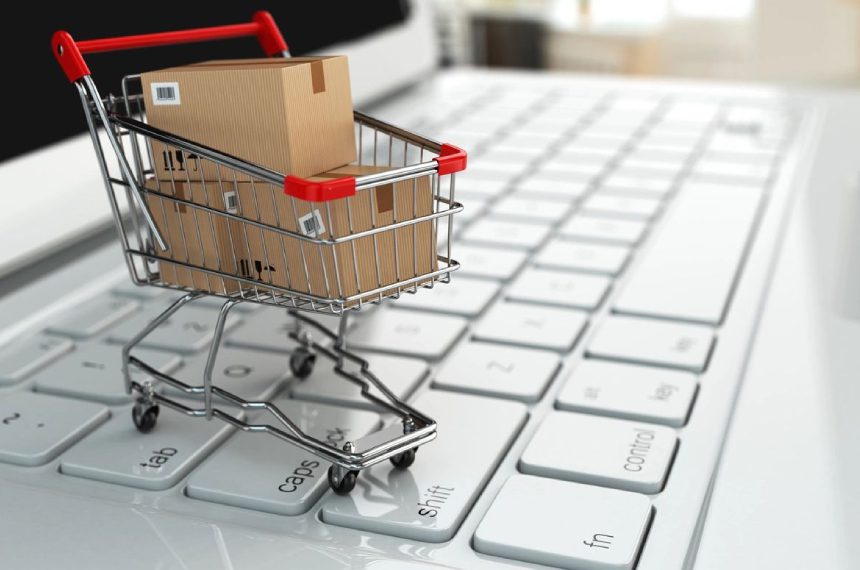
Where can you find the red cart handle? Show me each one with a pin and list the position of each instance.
(69, 53)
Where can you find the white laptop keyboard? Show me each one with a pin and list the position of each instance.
(566, 364)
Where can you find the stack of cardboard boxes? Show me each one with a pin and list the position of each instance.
(292, 116)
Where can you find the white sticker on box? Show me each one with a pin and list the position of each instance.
(231, 203)
(311, 224)
(166, 93)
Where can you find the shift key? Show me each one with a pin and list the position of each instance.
(429, 500)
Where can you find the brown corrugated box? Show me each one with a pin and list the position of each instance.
(291, 115)
(271, 257)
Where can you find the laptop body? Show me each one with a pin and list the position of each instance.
(787, 332)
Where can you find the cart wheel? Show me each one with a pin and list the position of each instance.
(346, 484)
(302, 362)
(404, 459)
(144, 417)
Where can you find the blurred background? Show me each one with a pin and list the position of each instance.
(795, 41)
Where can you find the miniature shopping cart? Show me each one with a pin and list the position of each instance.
(410, 163)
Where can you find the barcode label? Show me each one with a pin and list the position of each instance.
(165, 93)
(231, 203)
(311, 224)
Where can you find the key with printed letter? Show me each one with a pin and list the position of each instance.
(601, 451)
(428, 501)
(502, 233)
(521, 324)
(566, 525)
(94, 316)
(489, 262)
(462, 296)
(189, 330)
(562, 288)
(409, 333)
(265, 473)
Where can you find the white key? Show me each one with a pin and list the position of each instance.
(521, 208)
(711, 169)
(552, 188)
(564, 525)
(586, 152)
(408, 333)
(597, 228)
(23, 357)
(667, 170)
(266, 330)
(254, 375)
(510, 234)
(117, 453)
(94, 372)
(462, 296)
(502, 168)
(472, 208)
(689, 270)
(691, 112)
(428, 501)
(660, 343)
(581, 256)
(216, 303)
(401, 375)
(264, 473)
(522, 324)
(561, 288)
(648, 152)
(641, 393)
(501, 371)
(621, 206)
(488, 262)
(93, 317)
(487, 188)
(143, 292)
(572, 168)
(650, 185)
(601, 451)
(34, 429)
(189, 330)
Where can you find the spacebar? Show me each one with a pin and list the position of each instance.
(689, 271)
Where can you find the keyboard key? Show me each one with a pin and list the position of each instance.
(564, 525)
(94, 372)
(628, 232)
(264, 473)
(580, 256)
(711, 169)
(93, 316)
(500, 371)
(608, 452)
(562, 288)
(408, 333)
(689, 270)
(488, 262)
(428, 501)
(551, 188)
(400, 374)
(563, 167)
(142, 292)
(650, 185)
(189, 330)
(659, 343)
(621, 206)
(23, 357)
(509, 234)
(641, 393)
(522, 324)
(526, 209)
(509, 169)
(34, 429)
(267, 330)
(462, 296)
(117, 453)
(251, 374)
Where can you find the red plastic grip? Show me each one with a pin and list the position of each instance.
(69, 53)
(321, 191)
(451, 159)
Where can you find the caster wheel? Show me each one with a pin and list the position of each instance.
(404, 459)
(302, 362)
(144, 417)
(346, 484)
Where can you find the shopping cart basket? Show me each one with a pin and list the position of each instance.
(412, 164)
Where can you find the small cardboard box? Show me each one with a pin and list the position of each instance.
(290, 115)
(345, 269)
(197, 237)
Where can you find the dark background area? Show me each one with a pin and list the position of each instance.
(42, 107)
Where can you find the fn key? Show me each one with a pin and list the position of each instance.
(564, 525)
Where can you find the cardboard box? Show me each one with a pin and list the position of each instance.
(348, 268)
(292, 116)
(333, 271)
(197, 237)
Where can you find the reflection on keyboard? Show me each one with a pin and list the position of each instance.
(601, 241)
